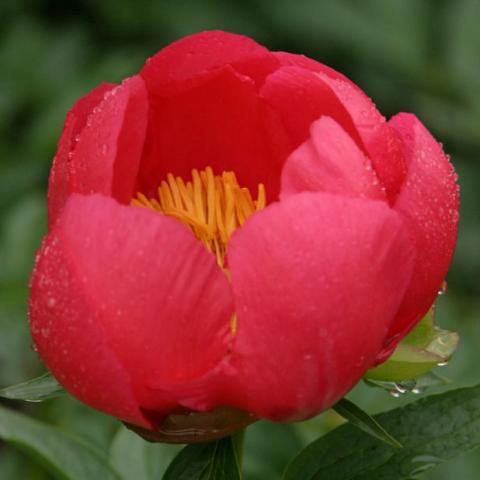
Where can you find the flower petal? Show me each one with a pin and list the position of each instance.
(147, 287)
(287, 59)
(317, 280)
(58, 183)
(108, 151)
(428, 205)
(330, 161)
(301, 96)
(219, 123)
(177, 66)
(70, 340)
(379, 140)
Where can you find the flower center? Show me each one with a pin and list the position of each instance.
(212, 206)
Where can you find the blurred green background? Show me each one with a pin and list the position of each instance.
(409, 55)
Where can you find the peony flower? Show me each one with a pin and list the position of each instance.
(237, 230)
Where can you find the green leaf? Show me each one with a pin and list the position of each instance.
(431, 430)
(205, 461)
(135, 458)
(362, 420)
(65, 456)
(35, 390)
(424, 348)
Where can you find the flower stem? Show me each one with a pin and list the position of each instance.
(238, 439)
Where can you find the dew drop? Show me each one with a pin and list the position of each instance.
(394, 393)
(443, 288)
(442, 364)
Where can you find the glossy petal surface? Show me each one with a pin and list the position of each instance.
(109, 148)
(141, 283)
(317, 280)
(59, 181)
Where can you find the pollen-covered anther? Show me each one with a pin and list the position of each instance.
(213, 206)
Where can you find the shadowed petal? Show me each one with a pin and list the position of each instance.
(219, 124)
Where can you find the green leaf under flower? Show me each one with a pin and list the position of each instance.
(37, 389)
(65, 456)
(421, 350)
(205, 461)
(362, 420)
(431, 430)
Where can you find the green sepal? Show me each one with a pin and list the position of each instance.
(421, 350)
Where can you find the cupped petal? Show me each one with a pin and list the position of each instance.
(219, 123)
(107, 156)
(428, 205)
(66, 331)
(317, 280)
(300, 96)
(75, 121)
(379, 140)
(152, 292)
(330, 161)
(180, 64)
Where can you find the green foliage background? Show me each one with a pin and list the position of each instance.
(421, 56)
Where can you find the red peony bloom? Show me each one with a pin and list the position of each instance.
(235, 227)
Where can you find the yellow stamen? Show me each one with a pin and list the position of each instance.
(213, 206)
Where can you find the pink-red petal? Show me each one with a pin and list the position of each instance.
(180, 64)
(287, 59)
(379, 140)
(107, 155)
(330, 161)
(300, 96)
(428, 205)
(218, 123)
(151, 291)
(317, 280)
(66, 330)
(58, 184)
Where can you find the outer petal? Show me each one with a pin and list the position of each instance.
(58, 184)
(178, 65)
(317, 280)
(109, 148)
(428, 204)
(66, 330)
(218, 123)
(149, 295)
(330, 161)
